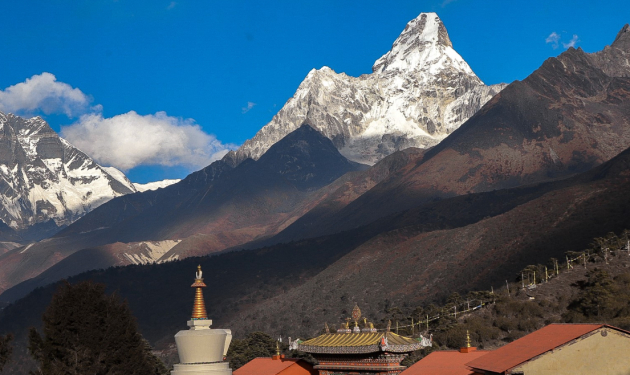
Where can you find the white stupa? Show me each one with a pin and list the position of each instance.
(201, 349)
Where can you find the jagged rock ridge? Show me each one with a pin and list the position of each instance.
(419, 92)
(44, 178)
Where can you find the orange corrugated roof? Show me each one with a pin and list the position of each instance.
(268, 366)
(532, 345)
(444, 362)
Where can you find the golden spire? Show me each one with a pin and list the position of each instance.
(199, 308)
(277, 348)
(467, 339)
(327, 329)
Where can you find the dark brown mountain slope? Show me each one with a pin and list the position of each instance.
(334, 195)
(237, 205)
(571, 114)
(341, 193)
(293, 288)
(410, 266)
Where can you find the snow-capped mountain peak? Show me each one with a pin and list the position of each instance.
(419, 92)
(43, 177)
(423, 45)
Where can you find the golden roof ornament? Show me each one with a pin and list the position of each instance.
(389, 325)
(199, 308)
(277, 348)
(327, 329)
(467, 339)
(356, 314)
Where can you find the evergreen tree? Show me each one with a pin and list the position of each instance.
(256, 344)
(86, 331)
(5, 349)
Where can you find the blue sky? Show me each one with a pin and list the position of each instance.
(197, 77)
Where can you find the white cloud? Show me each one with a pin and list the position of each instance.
(172, 5)
(44, 93)
(124, 141)
(571, 42)
(553, 38)
(128, 140)
(250, 105)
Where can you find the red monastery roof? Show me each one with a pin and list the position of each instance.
(446, 362)
(532, 345)
(269, 366)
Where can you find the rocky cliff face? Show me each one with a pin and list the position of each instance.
(44, 178)
(418, 93)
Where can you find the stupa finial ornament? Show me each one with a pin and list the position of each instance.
(199, 308)
(467, 339)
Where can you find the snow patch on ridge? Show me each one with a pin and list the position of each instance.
(155, 185)
(150, 251)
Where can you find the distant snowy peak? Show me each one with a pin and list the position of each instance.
(43, 177)
(423, 45)
(419, 92)
(154, 185)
